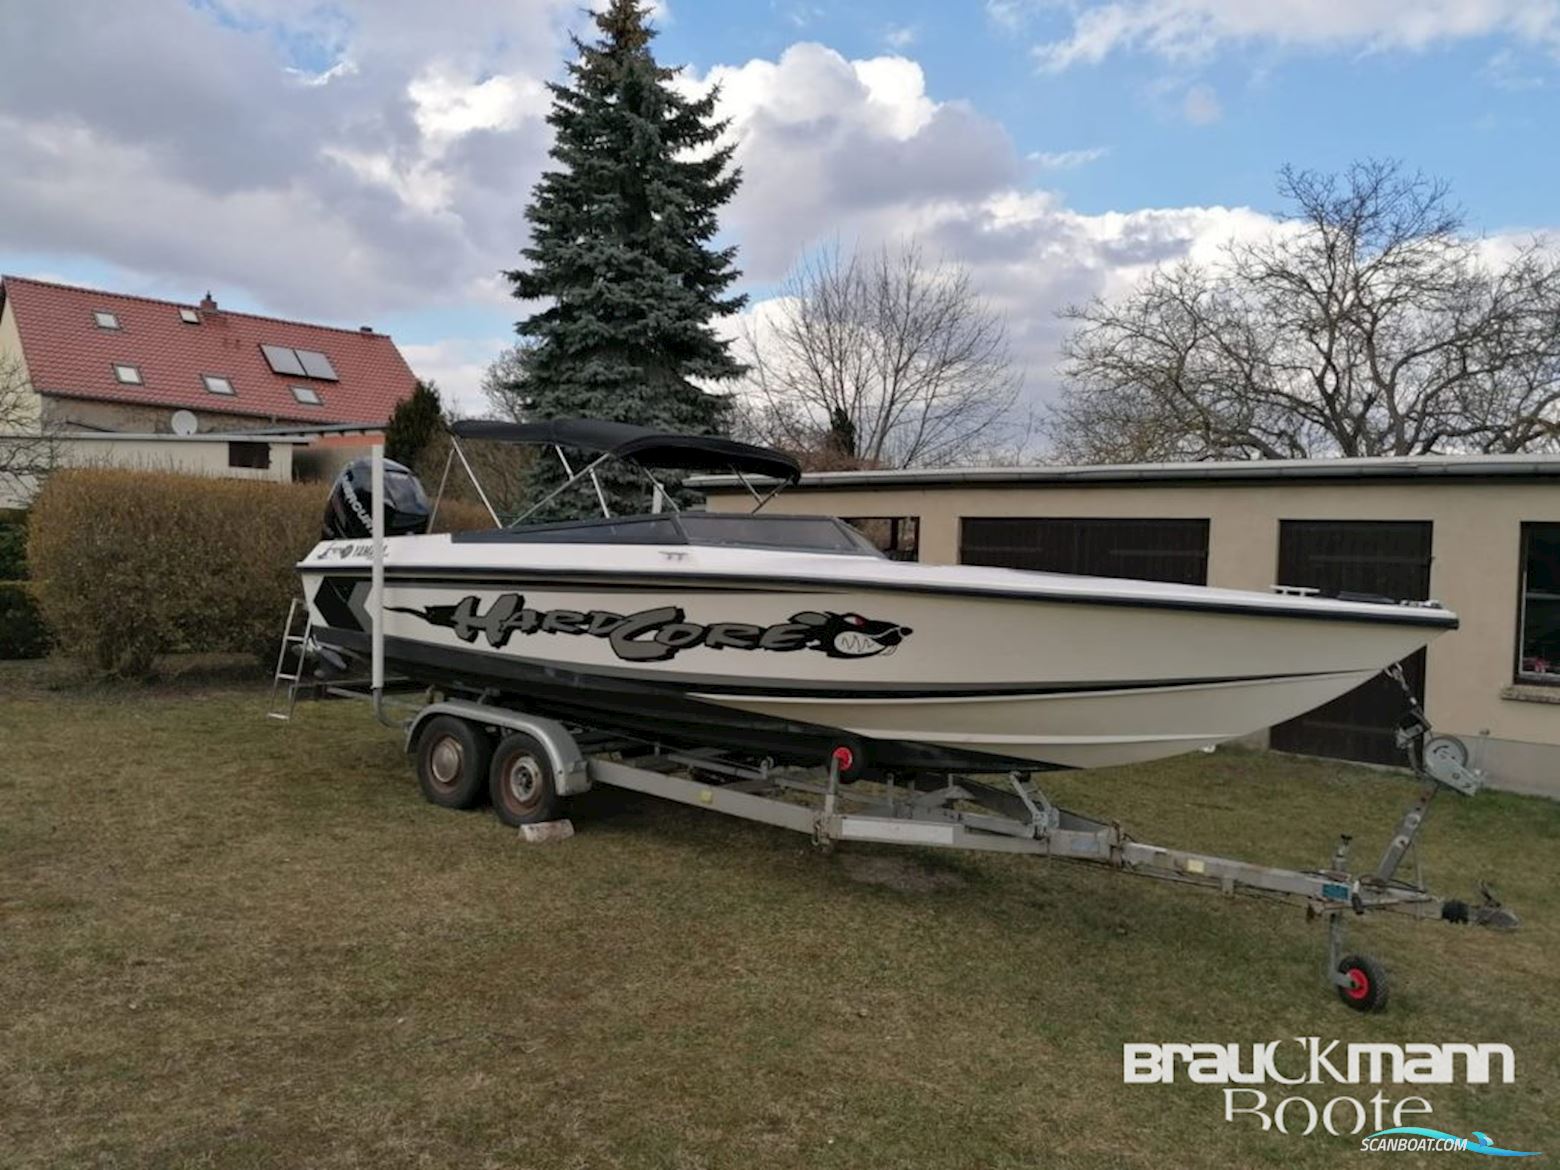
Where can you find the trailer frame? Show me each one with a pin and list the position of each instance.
(1013, 816)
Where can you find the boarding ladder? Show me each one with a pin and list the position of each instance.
(283, 708)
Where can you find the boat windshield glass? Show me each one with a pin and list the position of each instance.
(744, 530)
(728, 529)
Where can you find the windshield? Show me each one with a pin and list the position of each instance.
(728, 529)
(815, 533)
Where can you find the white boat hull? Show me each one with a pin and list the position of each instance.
(1062, 672)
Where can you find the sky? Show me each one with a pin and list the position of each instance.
(369, 161)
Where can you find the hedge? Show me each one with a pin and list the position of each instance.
(130, 565)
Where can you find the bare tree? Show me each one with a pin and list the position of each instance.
(29, 446)
(1367, 324)
(891, 356)
(504, 382)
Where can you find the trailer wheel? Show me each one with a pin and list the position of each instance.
(1366, 990)
(452, 762)
(522, 783)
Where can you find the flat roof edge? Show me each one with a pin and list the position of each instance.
(1420, 469)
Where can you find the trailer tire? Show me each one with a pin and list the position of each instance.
(1367, 987)
(452, 762)
(522, 782)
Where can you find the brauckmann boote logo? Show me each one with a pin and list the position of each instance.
(1383, 1122)
(654, 635)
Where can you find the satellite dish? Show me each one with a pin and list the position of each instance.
(184, 422)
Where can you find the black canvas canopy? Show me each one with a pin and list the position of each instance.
(638, 445)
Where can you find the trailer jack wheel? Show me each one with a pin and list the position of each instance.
(1365, 983)
(522, 782)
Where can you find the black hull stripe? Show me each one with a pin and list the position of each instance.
(713, 684)
(608, 580)
(659, 713)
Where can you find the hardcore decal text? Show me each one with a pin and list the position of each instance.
(654, 635)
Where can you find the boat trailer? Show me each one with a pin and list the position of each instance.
(538, 763)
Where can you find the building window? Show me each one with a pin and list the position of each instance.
(299, 363)
(307, 395)
(189, 316)
(128, 374)
(216, 384)
(105, 319)
(1145, 550)
(1538, 655)
(256, 456)
(897, 537)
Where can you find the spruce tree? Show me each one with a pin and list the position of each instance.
(416, 422)
(621, 253)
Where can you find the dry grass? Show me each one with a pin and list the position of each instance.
(229, 942)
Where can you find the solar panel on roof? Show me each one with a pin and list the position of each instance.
(316, 365)
(284, 360)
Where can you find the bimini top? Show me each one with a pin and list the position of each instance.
(638, 445)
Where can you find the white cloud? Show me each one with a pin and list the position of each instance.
(446, 104)
(1066, 160)
(830, 146)
(1194, 30)
(900, 36)
(1201, 105)
(389, 178)
(457, 365)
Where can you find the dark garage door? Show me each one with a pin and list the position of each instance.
(1388, 558)
(1148, 550)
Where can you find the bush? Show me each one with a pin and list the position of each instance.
(13, 545)
(130, 565)
(22, 631)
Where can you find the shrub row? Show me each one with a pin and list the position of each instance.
(130, 565)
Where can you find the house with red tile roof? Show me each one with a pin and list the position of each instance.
(130, 380)
(113, 362)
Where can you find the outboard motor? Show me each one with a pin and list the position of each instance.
(348, 515)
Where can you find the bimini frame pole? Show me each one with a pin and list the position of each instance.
(588, 470)
(475, 482)
(753, 491)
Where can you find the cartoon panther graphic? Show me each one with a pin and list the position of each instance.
(849, 635)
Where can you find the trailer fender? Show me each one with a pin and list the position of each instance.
(569, 766)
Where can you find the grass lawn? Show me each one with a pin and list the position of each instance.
(228, 942)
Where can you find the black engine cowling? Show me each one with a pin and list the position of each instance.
(349, 515)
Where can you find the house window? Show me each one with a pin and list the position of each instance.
(299, 363)
(105, 319)
(897, 537)
(189, 316)
(256, 456)
(307, 395)
(128, 374)
(216, 384)
(1538, 654)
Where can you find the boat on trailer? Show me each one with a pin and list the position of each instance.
(791, 636)
(653, 703)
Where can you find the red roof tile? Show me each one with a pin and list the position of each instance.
(69, 355)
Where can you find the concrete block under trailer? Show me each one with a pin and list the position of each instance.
(530, 766)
